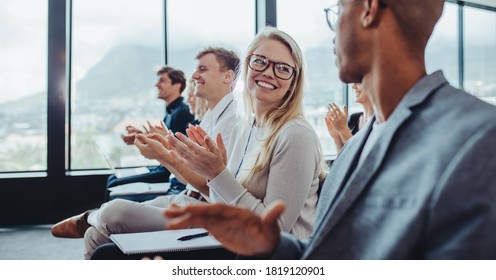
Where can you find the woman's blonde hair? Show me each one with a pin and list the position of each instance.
(291, 105)
(200, 103)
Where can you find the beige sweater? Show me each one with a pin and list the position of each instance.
(292, 174)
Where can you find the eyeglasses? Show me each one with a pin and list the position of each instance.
(282, 70)
(333, 12)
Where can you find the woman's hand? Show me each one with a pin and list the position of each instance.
(331, 129)
(339, 120)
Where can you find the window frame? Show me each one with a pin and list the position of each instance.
(59, 72)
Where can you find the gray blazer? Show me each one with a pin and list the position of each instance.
(426, 190)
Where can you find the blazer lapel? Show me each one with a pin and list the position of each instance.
(354, 183)
(358, 179)
(341, 169)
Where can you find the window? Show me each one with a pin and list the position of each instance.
(480, 46)
(315, 40)
(228, 24)
(442, 49)
(23, 98)
(117, 47)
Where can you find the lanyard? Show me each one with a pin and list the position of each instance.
(223, 111)
(246, 148)
(209, 129)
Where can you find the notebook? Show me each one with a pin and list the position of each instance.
(121, 173)
(139, 188)
(163, 241)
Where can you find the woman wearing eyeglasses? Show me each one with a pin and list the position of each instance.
(275, 153)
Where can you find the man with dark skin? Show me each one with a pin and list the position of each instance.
(410, 185)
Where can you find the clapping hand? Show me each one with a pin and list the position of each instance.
(154, 146)
(338, 118)
(133, 130)
(159, 129)
(130, 137)
(199, 152)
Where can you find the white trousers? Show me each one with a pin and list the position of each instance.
(125, 216)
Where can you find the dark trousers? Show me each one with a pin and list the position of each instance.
(158, 174)
(112, 252)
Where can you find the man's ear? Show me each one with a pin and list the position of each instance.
(370, 14)
(177, 86)
(228, 76)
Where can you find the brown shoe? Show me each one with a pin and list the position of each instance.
(73, 227)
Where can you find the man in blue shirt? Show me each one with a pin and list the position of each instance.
(170, 85)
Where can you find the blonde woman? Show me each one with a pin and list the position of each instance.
(197, 106)
(274, 153)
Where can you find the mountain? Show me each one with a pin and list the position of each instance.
(35, 104)
(122, 72)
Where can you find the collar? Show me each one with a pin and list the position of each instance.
(178, 101)
(221, 107)
(423, 89)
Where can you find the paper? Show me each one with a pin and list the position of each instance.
(163, 241)
(121, 173)
(139, 188)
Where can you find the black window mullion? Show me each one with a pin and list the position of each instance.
(56, 87)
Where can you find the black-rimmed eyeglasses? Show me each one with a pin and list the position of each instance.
(282, 70)
(333, 12)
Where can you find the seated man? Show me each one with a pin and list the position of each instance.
(416, 183)
(170, 84)
(215, 79)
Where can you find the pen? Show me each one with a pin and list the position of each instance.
(193, 236)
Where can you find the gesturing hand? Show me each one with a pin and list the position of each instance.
(129, 138)
(159, 129)
(238, 229)
(331, 129)
(197, 134)
(338, 118)
(199, 152)
(154, 146)
(133, 130)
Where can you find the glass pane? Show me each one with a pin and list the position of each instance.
(23, 98)
(117, 48)
(480, 49)
(196, 24)
(315, 40)
(442, 49)
(353, 106)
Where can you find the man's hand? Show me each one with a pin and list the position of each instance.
(133, 130)
(199, 152)
(158, 129)
(238, 229)
(154, 146)
(129, 138)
